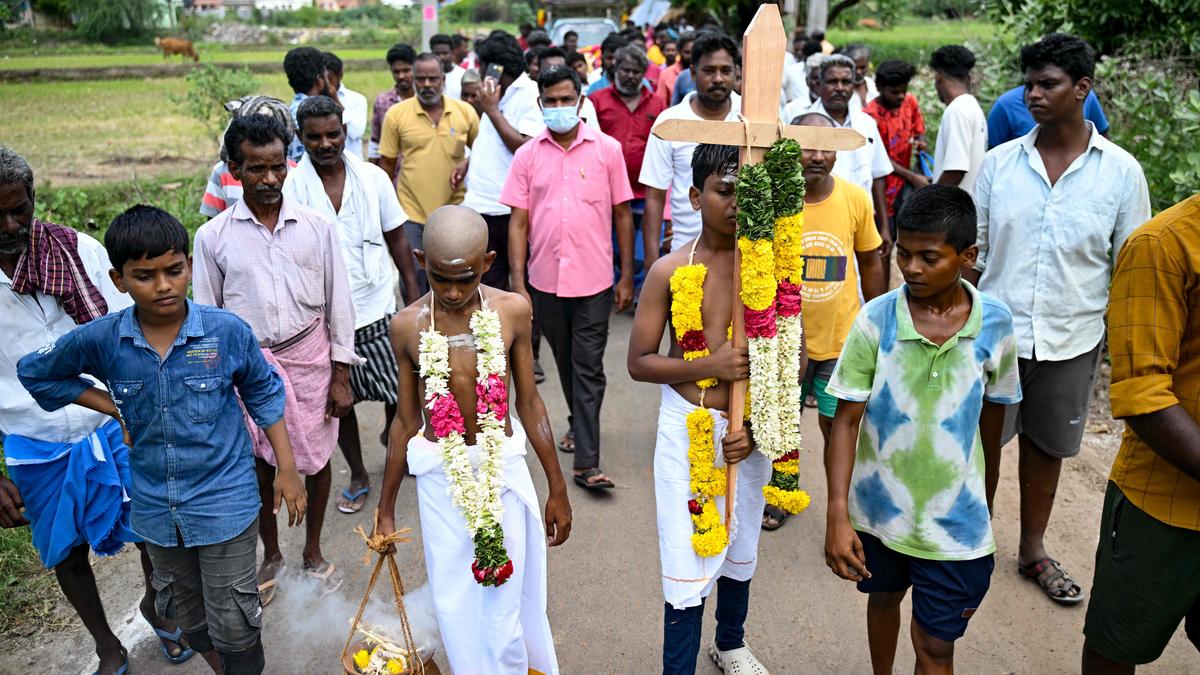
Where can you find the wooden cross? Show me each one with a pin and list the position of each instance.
(762, 80)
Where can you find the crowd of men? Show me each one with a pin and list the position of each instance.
(310, 231)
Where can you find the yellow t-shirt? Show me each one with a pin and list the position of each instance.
(427, 154)
(834, 229)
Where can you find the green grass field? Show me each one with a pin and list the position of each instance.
(150, 57)
(81, 133)
(915, 39)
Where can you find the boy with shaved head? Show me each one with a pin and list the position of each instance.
(484, 538)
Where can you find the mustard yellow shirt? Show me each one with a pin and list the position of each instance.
(835, 228)
(428, 153)
(1154, 342)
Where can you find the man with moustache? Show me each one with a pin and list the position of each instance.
(868, 166)
(307, 75)
(278, 265)
(359, 198)
(400, 60)
(425, 138)
(442, 46)
(627, 111)
(668, 164)
(1055, 208)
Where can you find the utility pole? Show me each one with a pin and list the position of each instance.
(429, 21)
(818, 16)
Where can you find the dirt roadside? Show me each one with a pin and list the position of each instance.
(605, 602)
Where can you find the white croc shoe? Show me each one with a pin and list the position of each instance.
(736, 661)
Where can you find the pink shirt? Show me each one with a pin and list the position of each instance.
(278, 282)
(570, 196)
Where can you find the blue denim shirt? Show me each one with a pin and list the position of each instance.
(191, 459)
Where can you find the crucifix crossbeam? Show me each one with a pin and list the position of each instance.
(762, 80)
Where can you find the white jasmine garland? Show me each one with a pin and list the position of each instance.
(476, 494)
(790, 337)
(765, 393)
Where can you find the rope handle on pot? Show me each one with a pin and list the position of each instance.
(383, 545)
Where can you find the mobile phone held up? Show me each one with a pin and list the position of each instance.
(493, 72)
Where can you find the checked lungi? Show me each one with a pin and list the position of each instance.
(375, 380)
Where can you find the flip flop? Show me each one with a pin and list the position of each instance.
(268, 588)
(562, 448)
(124, 669)
(353, 498)
(327, 574)
(582, 480)
(777, 514)
(175, 637)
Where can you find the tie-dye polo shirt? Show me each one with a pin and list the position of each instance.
(918, 481)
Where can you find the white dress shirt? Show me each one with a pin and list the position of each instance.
(354, 116)
(369, 208)
(864, 165)
(1049, 251)
(668, 165)
(490, 157)
(454, 82)
(32, 322)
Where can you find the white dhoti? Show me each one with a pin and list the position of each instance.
(688, 578)
(486, 630)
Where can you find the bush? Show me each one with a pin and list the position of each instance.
(1153, 27)
(91, 208)
(209, 88)
(1153, 107)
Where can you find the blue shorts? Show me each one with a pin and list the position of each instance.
(945, 594)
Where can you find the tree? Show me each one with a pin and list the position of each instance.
(110, 20)
(1151, 27)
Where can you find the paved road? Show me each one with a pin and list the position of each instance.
(605, 600)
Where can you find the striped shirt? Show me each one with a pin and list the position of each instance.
(280, 282)
(1154, 341)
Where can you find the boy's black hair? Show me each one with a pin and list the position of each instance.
(259, 130)
(953, 60)
(316, 106)
(142, 231)
(709, 159)
(534, 55)
(502, 50)
(303, 66)
(575, 57)
(686, 37)
(570, 34)
(441, 39)
(710, 43)
(333, 64)
(893, 73)
(457, 41)
(1073, 54)
(612, 43)
(941, 209)
(555, 74)
(549, 53)
(401, 52)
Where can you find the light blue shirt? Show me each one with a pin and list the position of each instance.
(1048, 251)
(295, 149)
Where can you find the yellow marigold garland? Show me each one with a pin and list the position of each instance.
(758, 273)
(789, 248)
(706, 480)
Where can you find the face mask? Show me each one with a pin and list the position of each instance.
(560, 120)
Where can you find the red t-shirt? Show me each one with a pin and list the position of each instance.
(897, 128)
(631, 129)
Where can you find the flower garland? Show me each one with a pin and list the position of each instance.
(710, 536)
(756, 232)
(783, 165)
(478, 497)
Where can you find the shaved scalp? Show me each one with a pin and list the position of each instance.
(813, 119)
(454, 233)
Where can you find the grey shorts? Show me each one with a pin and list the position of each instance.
(1054, 406)
(211, 591)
